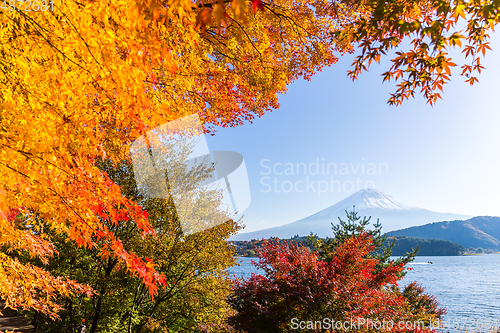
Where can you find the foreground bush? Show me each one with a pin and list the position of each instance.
(299, 286)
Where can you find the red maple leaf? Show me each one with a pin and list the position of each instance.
(257, 4)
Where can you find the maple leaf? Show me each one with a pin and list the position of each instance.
(220, 13)
(257, 5)
(4, 208)
(239, 8)
(204, 18)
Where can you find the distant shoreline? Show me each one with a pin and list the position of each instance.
(403, 245)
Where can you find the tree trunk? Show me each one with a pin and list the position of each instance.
(97, 313)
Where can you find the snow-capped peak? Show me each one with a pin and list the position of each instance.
(365, 199)
(371, 198)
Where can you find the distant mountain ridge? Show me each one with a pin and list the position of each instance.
(477, 232)
(393, 215)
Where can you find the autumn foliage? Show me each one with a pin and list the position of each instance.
(80, 83)
(297, 284)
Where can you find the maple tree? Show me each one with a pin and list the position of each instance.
(81, 82)
(354, 225)
(349, 288)
(194, 297)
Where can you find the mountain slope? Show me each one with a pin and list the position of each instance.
(477, 232)
(392, 214)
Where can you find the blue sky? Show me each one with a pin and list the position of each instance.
(444, 158)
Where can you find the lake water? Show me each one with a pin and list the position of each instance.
(467, 286)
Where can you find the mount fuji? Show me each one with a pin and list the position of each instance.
(393, 215)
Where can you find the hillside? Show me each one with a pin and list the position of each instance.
(477, 232)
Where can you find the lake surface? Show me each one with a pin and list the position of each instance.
(467, 286)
